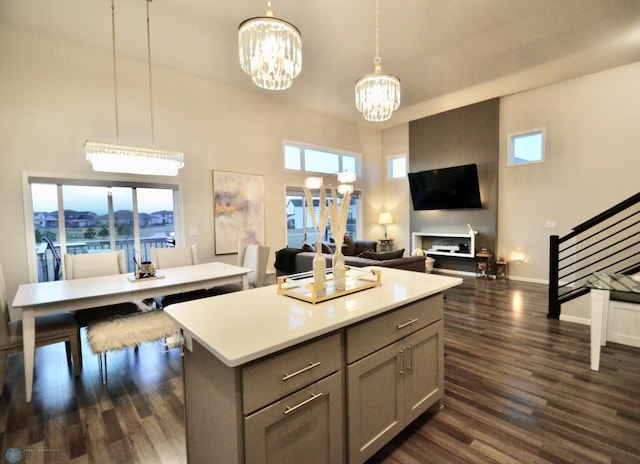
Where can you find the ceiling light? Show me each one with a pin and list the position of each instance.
(270, 51)
(377, 94)
(113, 157)
(107, 157)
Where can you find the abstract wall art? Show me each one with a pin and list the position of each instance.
(238, 210)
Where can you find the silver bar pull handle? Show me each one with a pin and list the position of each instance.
(314, 396)
(410, 349)
(304, 369)
(409, 322)
(401, 358)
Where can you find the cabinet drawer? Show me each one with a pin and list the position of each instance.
(304, 427)
(275, 377)
(374, 334)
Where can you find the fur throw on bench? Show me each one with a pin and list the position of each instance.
(129, 331)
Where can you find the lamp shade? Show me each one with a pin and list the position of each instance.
(385, 219)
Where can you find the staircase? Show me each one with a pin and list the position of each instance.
(609, 242)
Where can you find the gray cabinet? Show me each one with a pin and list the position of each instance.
(338, 398)
(305, 423)
(305, 427)
(397, 382)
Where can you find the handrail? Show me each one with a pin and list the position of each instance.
(608, 213)
(608, 242)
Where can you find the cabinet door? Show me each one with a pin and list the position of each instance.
(305, 427)
(375, 399)
(423, 356)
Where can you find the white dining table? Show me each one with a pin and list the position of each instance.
(37, 299)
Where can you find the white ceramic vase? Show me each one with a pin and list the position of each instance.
(319, 266)
(339, 269)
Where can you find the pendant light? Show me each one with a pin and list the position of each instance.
(113, 157)
(270, 51)
(377, 94)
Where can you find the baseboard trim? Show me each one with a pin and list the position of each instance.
(577, 320)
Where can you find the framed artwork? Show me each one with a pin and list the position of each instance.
(238, 210)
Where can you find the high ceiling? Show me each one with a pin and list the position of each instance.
(436, 47)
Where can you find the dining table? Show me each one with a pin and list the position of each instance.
(41, 298)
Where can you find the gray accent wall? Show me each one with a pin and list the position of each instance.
(462, 136)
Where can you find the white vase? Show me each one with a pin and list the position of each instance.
(339, 269)
(319, 266)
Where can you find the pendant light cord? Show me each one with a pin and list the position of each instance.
(377, 32)
(377, 60)
(153, 143)
(115, 73)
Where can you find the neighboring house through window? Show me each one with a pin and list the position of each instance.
(75, 216)
(317, 161)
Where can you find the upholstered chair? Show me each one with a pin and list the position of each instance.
(97, 265)
(251, 256)
(164, 258)
(50, 329)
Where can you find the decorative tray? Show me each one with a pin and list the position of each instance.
(302, 287)
(132, 277)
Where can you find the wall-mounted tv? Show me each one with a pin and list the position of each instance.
(448, 188)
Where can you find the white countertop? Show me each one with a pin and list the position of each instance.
(244, 326)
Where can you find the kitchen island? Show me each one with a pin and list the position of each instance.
(269, 378)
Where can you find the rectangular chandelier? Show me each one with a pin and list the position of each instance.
(109, 157)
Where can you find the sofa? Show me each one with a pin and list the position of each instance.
(361, 253)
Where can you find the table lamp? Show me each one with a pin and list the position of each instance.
(385, 219)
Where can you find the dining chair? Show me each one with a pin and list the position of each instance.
(97, 265)
(164, 258)
(251, 256)
(50, 329)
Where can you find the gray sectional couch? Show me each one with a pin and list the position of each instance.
(303, 261)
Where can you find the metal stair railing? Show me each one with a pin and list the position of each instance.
(608, 242)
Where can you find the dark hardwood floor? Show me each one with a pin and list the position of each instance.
(517, 389)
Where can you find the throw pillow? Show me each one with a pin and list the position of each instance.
(349, 248)
(306, 246)
(326, 248)
(364, 245)
(383, 256)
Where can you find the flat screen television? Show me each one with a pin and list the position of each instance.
(448, 188)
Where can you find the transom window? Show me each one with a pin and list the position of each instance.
(301, 157)
(397, 167)
(76, 217)
(526, 147)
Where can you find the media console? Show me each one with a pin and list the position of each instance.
(461, 245)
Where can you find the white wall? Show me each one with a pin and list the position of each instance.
(56, 94)
(592, 163)
(592, 160)
(397, 199)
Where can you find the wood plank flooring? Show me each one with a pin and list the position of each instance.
(517, 389)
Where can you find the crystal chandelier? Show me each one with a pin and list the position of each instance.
(113, 157)
(270, 51)
(377, 94)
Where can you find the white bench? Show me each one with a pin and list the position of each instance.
(128, 331)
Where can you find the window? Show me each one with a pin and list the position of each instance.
(526, 147)
(300, 157)
(299, 224)
(397, 167)
(312, 159)
(76, 217)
